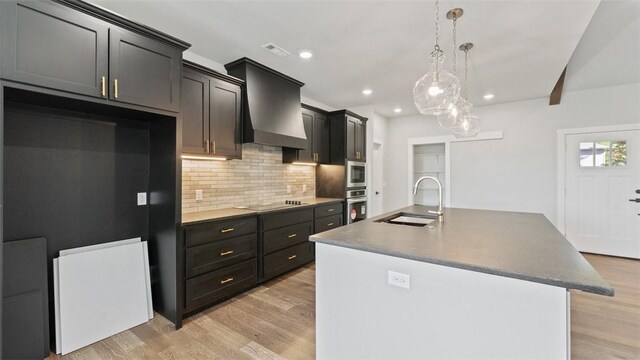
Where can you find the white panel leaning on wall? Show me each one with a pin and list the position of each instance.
(99, 291)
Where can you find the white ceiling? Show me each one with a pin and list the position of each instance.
(609, 52)
(521, 47)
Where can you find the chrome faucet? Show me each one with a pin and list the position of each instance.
(439, 212)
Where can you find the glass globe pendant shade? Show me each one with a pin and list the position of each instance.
(467, 126)
(437, 91)
(449, 119)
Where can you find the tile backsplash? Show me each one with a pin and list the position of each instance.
(259, 178)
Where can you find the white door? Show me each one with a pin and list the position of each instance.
(377, 206)
(602, 177)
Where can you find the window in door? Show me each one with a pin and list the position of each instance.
(603, 153)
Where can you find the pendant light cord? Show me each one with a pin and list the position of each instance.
(466, 70)
(455, 45)
(436, 49)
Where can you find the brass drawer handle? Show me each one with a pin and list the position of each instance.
(226, 253)
(330, 224)
(292, 236)
(115, 88)
(103, 84)
(226, 230)
(293, 257)
(330, 210)
(226, 280)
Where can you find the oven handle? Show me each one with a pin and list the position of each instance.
(356, 200)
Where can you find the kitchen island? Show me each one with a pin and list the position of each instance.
(482, 284)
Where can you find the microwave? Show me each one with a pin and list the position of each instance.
(356, 174)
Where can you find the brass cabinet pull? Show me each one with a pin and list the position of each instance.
(226, 253)
(103, 85)
(330, 210)
(207, 146)
(292, 236)
(293, 257)
(115, 88)
(226, 280)
(214, 147)
(226, 230)
(330, 224)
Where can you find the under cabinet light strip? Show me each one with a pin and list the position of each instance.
(304, 163)
(195, 157)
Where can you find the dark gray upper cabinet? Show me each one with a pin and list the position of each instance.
(53, 46)
(225, 109)
(321, 138)
(348, 136)
(143, 71)
(316, 127)
(86, 50)
(195, 112)
(211, 112)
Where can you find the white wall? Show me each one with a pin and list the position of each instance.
(517, 173)
(377, 128)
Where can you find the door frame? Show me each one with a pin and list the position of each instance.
(373, 162)
(447, 140)
(561, 151)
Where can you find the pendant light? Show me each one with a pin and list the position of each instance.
(438, 90)
(449, 119)
(468, 124)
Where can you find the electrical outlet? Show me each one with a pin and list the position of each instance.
(304, 188)
(142, 198)
(199, 195)
(399, 279)
(288, 189)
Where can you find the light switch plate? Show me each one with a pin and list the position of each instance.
(142, 198)
(288, 189)
(199, 195)
(304, 188)
(399, 279)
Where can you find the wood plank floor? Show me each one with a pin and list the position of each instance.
(277, 321)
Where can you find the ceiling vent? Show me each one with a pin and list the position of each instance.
(275, 49)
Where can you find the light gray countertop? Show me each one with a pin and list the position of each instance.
(518, 245)
(228, 213)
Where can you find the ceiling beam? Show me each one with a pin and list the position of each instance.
(556, 93)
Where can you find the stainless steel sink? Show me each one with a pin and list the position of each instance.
(409, 219)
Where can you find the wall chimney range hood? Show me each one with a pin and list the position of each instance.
(272, 114)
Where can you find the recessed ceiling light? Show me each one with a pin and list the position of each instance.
(306, 54)
(397, 110)
(488, 96)
(367, 91)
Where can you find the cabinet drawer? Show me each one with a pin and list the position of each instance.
(328, 223)
(204, 233)
(284, 237)
(278, 220)
(287, 259)
(326, 210)
(206, 289)
(204, 258)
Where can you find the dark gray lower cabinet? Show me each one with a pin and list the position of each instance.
(280, 262)
(285, 241)
(207, 289)
(220, 261)
(224, 258)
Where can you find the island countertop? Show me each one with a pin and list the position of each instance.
(518, 245)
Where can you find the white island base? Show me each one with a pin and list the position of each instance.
(448, 313)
